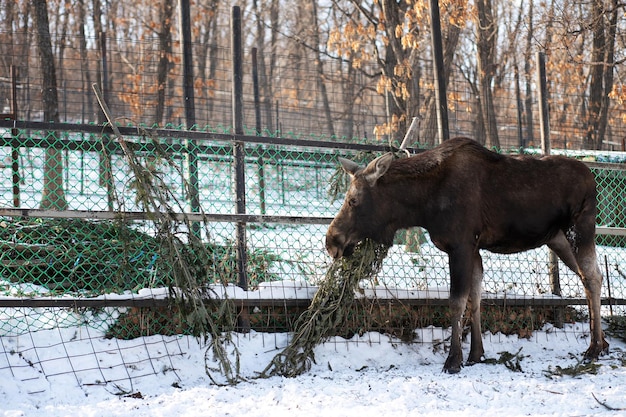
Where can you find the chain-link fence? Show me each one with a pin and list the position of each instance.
(96, 241)
(94, 258)
(81, 247)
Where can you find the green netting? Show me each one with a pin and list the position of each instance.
(84, 256)
(611, 183)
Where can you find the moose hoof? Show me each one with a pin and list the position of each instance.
(471, 362)
(452, 369)
(595, 351)
(452, 365)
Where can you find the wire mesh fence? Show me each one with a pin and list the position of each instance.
(95, 261)
(80, 250)
(77, 253)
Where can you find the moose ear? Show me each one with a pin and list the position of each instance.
(377, 168)
(349, 166)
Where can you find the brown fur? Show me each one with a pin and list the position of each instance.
(469, 198)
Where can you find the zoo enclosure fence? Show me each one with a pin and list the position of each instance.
(285, 184)
(95, 261)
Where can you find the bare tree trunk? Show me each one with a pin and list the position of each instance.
(53, 196)
(97, 24)
(596, 90)
(320, 70)
(264, 85)
(608, 71)
(349, 101)
(207, 51)
(451, 41)
(25, 40)
(165, 52)
(274, 6)
(7, 27)
(602, 57)
(62, 45)
(487, 35)
(394, 53)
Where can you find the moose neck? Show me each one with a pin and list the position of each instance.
(412, 188)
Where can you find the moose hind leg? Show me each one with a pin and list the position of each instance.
(476, 350)
(579, 254)
(592, 281)
(460, 277)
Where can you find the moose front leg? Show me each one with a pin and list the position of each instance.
(460, 284)
(455, 356)
(476, 350)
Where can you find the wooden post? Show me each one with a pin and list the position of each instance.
(520, 111)
(544, 122)
(544, 119)
(104, 157)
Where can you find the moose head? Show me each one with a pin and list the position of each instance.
(361, 215)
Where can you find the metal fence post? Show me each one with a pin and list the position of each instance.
(15, 151)
(257, 116)
(238, 146)
(190, 111)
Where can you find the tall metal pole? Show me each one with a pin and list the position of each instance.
(257, 116)
(104, 73)
(439, 73)
(15, 154)
(238, 146)
(190, 111)
(185, 35)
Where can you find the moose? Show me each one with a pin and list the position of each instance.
(470, 198)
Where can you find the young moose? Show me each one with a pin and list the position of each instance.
(469, 198)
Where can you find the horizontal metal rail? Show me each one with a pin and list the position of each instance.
(140, 215)
(198, 217)
(100, 302)
(196, 135)
(610, 231)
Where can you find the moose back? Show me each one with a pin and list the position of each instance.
(469, 198)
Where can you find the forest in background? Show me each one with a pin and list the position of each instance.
(339, 69)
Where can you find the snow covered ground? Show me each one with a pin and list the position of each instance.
(371, 375)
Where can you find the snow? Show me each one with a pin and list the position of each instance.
(368, 375)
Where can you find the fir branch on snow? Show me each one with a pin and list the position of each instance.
(510, 360)
(182, 248)
(581, 367)
(328, 309)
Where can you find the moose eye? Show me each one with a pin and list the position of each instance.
(352, 202)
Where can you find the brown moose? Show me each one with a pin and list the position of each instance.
(469, 198)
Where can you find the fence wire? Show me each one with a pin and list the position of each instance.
(78, 256)
(87, 257)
